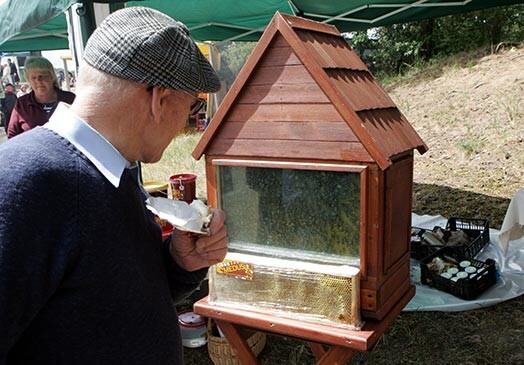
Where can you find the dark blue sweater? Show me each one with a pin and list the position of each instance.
(84, 278)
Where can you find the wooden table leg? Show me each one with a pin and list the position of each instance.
(244, 354)
(337, 355)
(331, 355)
(318, 349)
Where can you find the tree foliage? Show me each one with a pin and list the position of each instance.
(394, 48)
(233, 56)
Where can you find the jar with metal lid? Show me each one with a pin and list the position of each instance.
(193, 329)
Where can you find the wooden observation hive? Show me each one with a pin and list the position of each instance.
(313, 161)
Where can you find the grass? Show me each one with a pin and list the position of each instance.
(432, 69)
(511, 106)
(177, 159)
(471, 146)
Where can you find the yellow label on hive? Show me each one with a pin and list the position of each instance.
(238, 269)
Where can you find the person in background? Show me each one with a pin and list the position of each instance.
(8, 103)
(60, 78)
(3, 122)
(6, 74)
(13, 71)
(85, 277)
(35, 108)
(23, 90)
(71, 79)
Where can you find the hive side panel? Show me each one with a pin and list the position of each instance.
(399, 183)
(392, 290)
(282, 112)
(388, 238)
(283, 93)
(281, 75)
(304, 150)
(297, 130)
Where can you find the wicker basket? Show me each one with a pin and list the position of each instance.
(221, 352)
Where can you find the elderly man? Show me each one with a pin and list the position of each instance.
(84, 275)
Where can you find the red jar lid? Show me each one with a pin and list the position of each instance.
(190, 319)
(184, 178)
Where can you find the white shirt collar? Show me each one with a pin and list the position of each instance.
(87, 140)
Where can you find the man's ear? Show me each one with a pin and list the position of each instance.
(159, 97)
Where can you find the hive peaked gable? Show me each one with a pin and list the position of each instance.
(303, 93)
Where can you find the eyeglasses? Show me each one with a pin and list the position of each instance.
(196, 105)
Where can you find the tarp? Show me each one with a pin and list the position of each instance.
(219, 20)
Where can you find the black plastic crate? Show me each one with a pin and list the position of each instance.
(476, 229)
(466, 288)
(421, 250)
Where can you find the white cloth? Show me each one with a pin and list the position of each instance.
(513, 225)
(509, 285)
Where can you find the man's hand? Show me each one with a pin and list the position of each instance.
(192, 252)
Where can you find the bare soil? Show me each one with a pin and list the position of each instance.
(470, 114)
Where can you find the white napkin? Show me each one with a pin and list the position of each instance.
(194, 217)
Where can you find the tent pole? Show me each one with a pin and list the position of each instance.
(86, 13)
(115, 6)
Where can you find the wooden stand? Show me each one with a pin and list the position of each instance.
(331, 345)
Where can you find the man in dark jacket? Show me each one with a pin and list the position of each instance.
(8, 103)
(13, 71)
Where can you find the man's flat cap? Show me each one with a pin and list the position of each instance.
(147, 46)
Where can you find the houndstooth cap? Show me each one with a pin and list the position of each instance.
(147, 46)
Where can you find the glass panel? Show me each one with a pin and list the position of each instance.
(309, 214)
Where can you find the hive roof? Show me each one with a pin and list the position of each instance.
(344, 80)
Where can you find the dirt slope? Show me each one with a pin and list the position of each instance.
(472, 118)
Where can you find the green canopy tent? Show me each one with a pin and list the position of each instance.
(48, 36)
(41, 24)
(33, 25)
(219, 20)
(350, 15)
